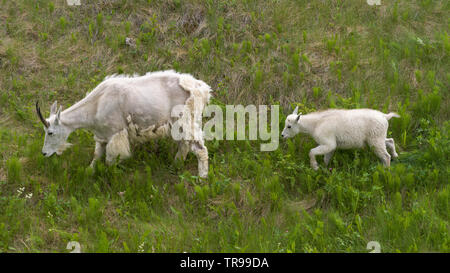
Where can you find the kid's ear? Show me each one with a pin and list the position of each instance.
(298, 117)
(295, 111)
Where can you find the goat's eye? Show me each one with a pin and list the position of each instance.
(289, 127)
(50, 133)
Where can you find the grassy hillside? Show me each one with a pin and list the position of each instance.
(314, 54)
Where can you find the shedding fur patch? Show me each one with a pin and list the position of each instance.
(191, 116)
(140, 135)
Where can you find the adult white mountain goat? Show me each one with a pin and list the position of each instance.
(338, 128)
(124, 109)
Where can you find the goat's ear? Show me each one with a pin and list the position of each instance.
(58, 115)
(53, 108)
(298, 117)
(295, 111)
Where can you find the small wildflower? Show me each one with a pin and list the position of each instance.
(374, 2)
(20, 191)
(130, 42)
(28, 196)
(141, 247)
(419, 41)
(73, 2)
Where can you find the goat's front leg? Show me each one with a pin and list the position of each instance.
(327, 157)
(319, 150)
(100, 148)
(118, 146)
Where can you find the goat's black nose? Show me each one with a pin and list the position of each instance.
(44, 153)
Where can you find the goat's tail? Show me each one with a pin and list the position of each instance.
(391, 115)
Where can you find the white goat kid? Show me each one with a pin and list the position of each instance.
(123, 109)
(344, 129)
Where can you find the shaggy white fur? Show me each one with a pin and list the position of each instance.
(191, 121)
(337, 128)
(138, 135)
(134, 108)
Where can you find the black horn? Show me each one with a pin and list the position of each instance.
(38, 111)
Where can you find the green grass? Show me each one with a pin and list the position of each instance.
(315, 54)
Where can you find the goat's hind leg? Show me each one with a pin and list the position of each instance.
(390, 144)
(183, 150)
(379, 147)
(200, 150)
